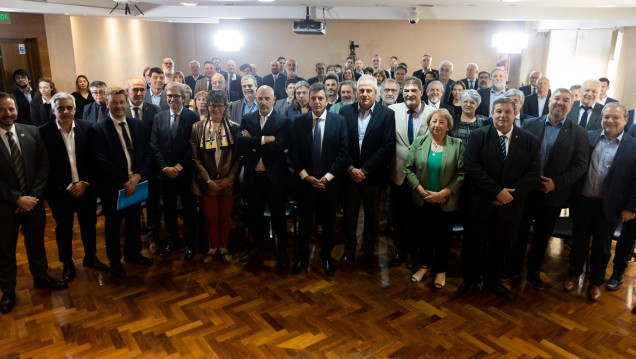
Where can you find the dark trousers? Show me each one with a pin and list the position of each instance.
(153, 210)
(624, 247)
(63, 207)
(588, 219)
(170, 189)
(369, 194)
(544, 217)
(400, 205)
(32, 226)
(432, 234)
(112, 223)
(322, 203)
(262, 192)
(487, 247)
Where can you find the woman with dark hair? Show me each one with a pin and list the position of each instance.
(178, 77)
(41, 105)
(300, 103)
(214, 156)
(82, 95)
(380, 75)
(453, 98)
(347, 75)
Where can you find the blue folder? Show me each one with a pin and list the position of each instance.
(140, 195)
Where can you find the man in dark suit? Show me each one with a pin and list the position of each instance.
(23, 94)
(69, 189)
(205, 83)
(536, 105)
(263, 139)
(371, 133)
(427, 65)
(319, 151)
(320, 73)
(502, 164)
(216, 61)
(276, 80)
(532, 87)
(122, 159)
(248, 103)
(498, 80)
(97, 110)
(145, 111)
(587, 113)
(603, 99)
(563, 161)
(170, 146)
(630, 122)
(232, 79)
(607, 196)
(156, 95)
(218, 84)
(471, 81)
(191, 80)
(23, 170)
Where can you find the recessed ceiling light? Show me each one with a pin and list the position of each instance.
(189, 4)
(266, 0)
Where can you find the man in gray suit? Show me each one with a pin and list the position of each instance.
(248, 103)
(587, 113)
(156, 96)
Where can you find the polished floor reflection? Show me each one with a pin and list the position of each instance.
(179, 309)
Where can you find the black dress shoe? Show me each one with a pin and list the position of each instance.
(95, 263)
(614, 282)
(328, 267)
(49, 283)
(398, 258)
(500, 290)
(170, 248)
(299, 266)
(137, 258)
(411, 261)
(7, 302)
(283, 260)
(117, 269)
(535, 280)
(249, 255)
(346, 259)
(189, 254)
(466, 290)
(68, 273)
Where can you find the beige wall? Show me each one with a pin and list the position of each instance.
(624, 87)
(60, 45)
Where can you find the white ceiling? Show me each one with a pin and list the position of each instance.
(546, 13)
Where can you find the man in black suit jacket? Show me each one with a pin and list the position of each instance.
(319, 163)
(23, 94)
(531, 103)
(122, 158)
(69, 189)
(146, 111)
(276, 80)
(320, 74)
(502, 164)
(630, 121)
(263, 139)
(23, 170)
(219, 84)
(371, 146)
(531, 87)
(607, 197)
(191, 80)
(92, 111)
(172, 153)
(587, 113)
(427, 65)
(498, 80)
(472, 70)
(563, 161)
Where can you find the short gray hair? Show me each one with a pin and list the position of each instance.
(392, 81)
(371, 79)
(515, 92)
(445, 62)
(250, 77)
(181, 88)
(472, 94)
(62, 96)
(436, 82)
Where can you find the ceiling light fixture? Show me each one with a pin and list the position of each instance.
(127, 6)
(189, 3)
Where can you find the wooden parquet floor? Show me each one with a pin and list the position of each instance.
(176, 309)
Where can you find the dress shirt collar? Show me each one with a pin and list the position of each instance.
(557, 125)
(266, 116)
(370, 110)
(60, 127)
(619, 138)
(508, 135)
(322, 117)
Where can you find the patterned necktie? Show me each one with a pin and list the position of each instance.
(127, 141)
(583, 122)
(502, 143)
(316, 149)
(16, 155)
(410, 126)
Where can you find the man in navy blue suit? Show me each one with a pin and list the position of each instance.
(319, 151)
(122, 157)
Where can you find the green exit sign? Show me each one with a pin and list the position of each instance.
(4, 18)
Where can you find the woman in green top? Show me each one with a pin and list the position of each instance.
(435, 172)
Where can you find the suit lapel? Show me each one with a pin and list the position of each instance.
(373, 121)
(401, 127)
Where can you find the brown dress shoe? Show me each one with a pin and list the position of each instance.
(594, 292)
(154, 248)
(570, 283)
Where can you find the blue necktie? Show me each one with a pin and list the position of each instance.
(583, 121)
(410, 128)
(316, 149)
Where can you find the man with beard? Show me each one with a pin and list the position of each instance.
(502, 163)
(282, 105)
(484, 80)
(291, 67)
(587, 113)
(276, 80)
(410, 122)
(389, 91)
(248, 104)
(563, 161)
(371, 133)
(24, 168)
(348, 95)
(145, 111)
(205, 84)
(320, 73)
(194, 76)
(167, 65)
(499, 78)
(23, 95)
(331, 84)
(156, 95)
(435, 95)
(263, 138)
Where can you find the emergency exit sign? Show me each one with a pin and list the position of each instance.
(4, 18)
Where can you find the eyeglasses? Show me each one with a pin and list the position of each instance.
(173, 96)
(98, 93)
(216, 106)
(389, 90)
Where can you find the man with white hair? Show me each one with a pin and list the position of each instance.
(389, 92)
(191, 80)
(471, 82)
(498, 80)
(587, 113)
(167, 65)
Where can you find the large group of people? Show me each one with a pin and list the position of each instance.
(500, 161)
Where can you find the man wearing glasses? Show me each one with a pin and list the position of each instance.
(97, 111)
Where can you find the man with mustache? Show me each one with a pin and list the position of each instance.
(389, 92)
(498, 80)
(348, 95)
(248, 103)
(587, 113)
(23, 94)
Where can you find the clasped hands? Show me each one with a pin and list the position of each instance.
(504, 197)
(316, 183)
(220, 184)
(357, 175)
(431, 196)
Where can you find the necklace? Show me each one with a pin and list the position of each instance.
(436, 148)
